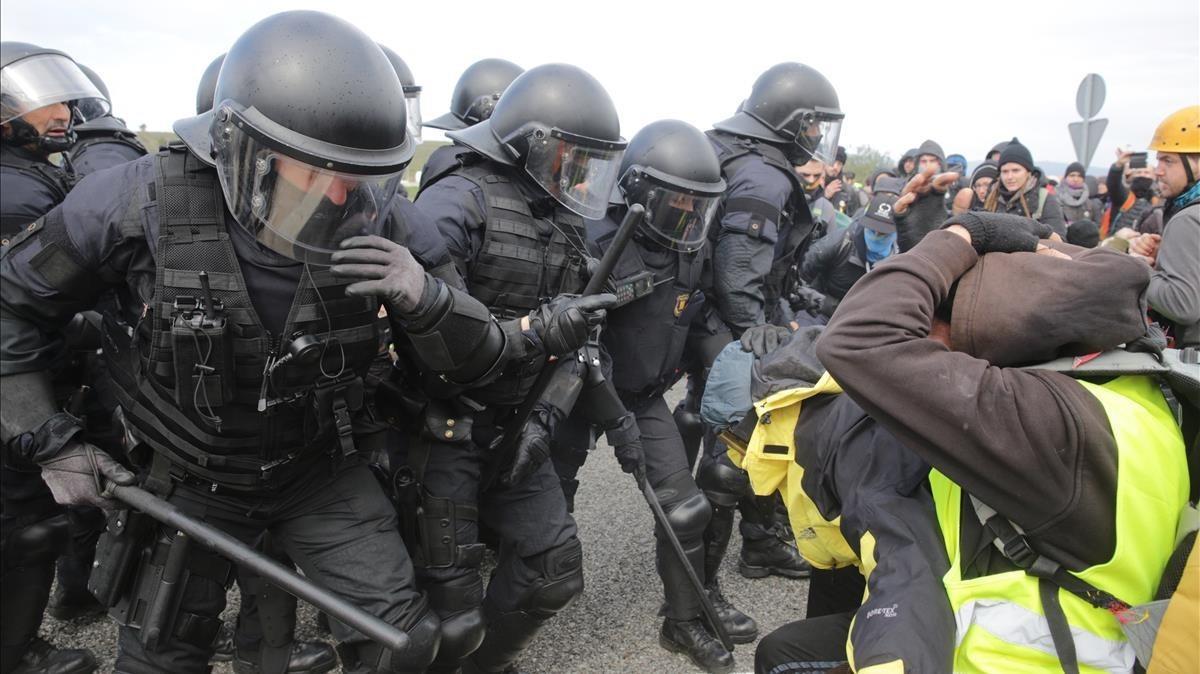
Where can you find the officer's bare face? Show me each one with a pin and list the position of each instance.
(1014, 176)
(49, 120)
(306, 178)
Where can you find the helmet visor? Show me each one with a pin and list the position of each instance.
(578, 172)
(45, 79)
(819, 136)
(298, 210)
(676, 219)
(412, 104)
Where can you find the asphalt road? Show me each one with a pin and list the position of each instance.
(613, 626)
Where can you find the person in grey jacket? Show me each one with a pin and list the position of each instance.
(1174, 292)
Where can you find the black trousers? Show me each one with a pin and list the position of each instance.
(336, 525)
(817, 643)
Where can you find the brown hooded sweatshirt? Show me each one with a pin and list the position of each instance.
(1033, 444)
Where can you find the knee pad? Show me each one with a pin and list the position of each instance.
(461, 634)
(369, 656)
(688, 421)
(722, 482)
(687, 510)
(559, 579)
(38, 543)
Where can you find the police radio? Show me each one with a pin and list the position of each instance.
(203, 354)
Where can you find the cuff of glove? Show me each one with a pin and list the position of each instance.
(990, 234)
(623, 431)
(428, 300)
(47, 440)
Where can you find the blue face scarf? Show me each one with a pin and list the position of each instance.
(1188, 196)
(879, 246)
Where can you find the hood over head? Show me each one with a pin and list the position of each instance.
(1023, 308)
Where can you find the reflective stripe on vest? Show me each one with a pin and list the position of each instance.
(770, 462)
(1001, 623)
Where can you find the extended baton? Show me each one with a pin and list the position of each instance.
(272, 571)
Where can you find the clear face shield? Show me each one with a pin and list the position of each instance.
(818, 135)
(578, 172)
(294, 208)
(45, 79)
(412, 105)
(676, 219)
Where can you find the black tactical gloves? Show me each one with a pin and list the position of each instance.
(1001, 232)
(762, 339)
(386, 269)
(76, 475)
(564, 323)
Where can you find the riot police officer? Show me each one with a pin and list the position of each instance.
(792, 116)
(512, 210)
(475, 96)
(40, 94)
(103, 140)
(39, 101)
(670, 169)
(412, 93)
(241, 380)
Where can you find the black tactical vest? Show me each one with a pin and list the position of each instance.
(51, 179)
(223, 403)
(795, 222)
(646, 333)
(104, 148)
(528, 256)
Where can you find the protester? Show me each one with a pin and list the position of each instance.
(1018, 190)
(1174, 292)
(971, 197)
(1075, 196)
(1131, 194)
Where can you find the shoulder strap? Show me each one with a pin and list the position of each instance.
(463, 157)
(54, 177)
(1011, 542)
(1043, 193)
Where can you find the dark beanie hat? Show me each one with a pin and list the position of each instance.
(1083, 233)
(841, 154)
(988, 169)
(1075, 167)
(1016, 153)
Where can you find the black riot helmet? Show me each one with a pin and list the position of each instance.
(208, 85)
(794, 106)
(559, 124)
(476, 93)
(32, 77)
(671, 169)
(308, 134)
(94, 108)
(412, 93)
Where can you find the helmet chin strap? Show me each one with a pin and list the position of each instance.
(23, 134)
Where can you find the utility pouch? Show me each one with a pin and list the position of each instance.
(202, 346)
(333, 405)
(118, 555)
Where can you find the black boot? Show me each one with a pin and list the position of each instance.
(69, 605)
(742, 629)
(308, 657)
(508, 635)
(43, 658)
(771, 556)
(693, 640)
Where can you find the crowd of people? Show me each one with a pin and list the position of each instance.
(961, 401)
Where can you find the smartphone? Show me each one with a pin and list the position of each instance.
(1137, 160)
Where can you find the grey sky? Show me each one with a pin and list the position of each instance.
(966, 74)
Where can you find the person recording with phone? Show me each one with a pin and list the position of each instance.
(1131, 193)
